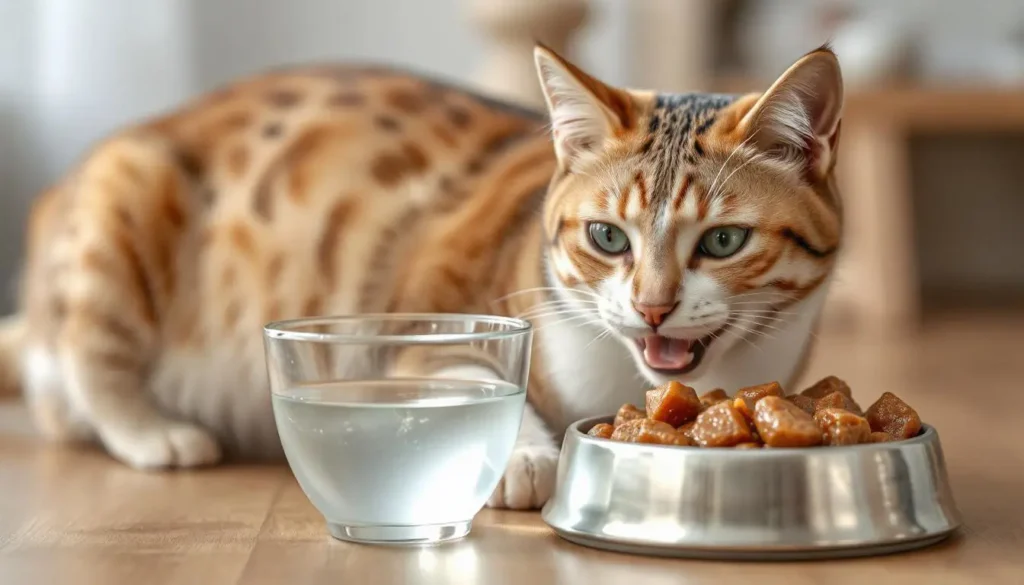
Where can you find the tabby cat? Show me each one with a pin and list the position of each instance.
(648, 236)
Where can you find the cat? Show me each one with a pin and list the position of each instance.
(648, 236)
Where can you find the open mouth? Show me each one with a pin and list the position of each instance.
(673, 356)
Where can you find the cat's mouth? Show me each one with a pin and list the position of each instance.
(673, 356)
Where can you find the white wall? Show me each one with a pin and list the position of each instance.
(71, 71)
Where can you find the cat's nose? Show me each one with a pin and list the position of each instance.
(654, 315)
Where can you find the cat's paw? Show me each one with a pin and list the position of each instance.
(169, 444)
(529, 479)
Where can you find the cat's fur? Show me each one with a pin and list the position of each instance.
(153, 265)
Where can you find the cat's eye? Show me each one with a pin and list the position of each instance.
(608, 238)
(724, 241)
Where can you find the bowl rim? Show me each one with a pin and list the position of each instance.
(285, 329)
(927, 435)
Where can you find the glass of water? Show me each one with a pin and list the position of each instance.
(398, 427)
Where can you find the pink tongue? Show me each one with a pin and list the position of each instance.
(666, 353)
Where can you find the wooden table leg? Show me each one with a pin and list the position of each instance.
(877, 277)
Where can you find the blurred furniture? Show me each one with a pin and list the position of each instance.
(877, 285)
(510, 28)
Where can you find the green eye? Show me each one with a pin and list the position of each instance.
(722, 242)
(608, 238)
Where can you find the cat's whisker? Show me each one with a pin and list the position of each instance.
(572, 320)
(759, 328)
(556, 312)
(756, 329)
(756, 293)
(728, 158)
(767, 316)
(767, 301)
(735, 332)
(768, 310)
(750, 336)
(539, 289)
(553, 304)
(597, 338)
(568, 302)
(772, 315)
(721, 188)
(773, 327)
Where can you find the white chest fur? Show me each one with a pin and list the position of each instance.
(590, 378)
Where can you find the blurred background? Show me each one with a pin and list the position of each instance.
(932, 153)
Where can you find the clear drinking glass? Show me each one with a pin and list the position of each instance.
(398, 427)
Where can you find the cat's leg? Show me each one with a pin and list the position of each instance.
(127, 211)
(529, 479)
(47, 400)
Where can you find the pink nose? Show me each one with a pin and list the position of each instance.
(654, 315)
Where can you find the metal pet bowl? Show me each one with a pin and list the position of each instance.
(757, 504)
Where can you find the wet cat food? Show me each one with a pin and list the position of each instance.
(673, 403)
(826, 386)
(780, 423)
(721, 425)
(825, 414)
(837, 400)
(713, 397)
(842, 427)
(806, 403)
(751, 394)
(892, 416)
(645, 430)
(627, 413)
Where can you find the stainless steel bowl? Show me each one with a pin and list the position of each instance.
(751, 504)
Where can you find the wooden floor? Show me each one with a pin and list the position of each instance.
(74, 516)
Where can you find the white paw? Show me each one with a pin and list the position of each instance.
(529, 479)
(168, 444)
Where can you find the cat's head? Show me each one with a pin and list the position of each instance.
(685, 223)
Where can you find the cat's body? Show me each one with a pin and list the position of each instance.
(153, 266)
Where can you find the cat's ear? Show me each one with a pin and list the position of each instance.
(798, 117)
(584, 111)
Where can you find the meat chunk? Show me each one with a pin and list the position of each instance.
(892, 416)
(627, 413)
(837, 400)
(745, 408)
(673, 403)
(752, 394)
(841, 427)
(806, 403)
(713, 397)
(649, 431)
(781, 423)
(721, 425)
(878, 438)
(826, 386)
(760, 416)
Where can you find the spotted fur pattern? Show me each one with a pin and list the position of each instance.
(153, 264)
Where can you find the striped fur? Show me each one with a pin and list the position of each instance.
(152, 266)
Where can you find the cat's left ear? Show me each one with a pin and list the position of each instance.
(798, 117)
(584, 112)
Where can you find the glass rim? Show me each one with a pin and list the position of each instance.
(285, 329)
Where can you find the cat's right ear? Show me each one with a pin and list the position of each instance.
(584, 112)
